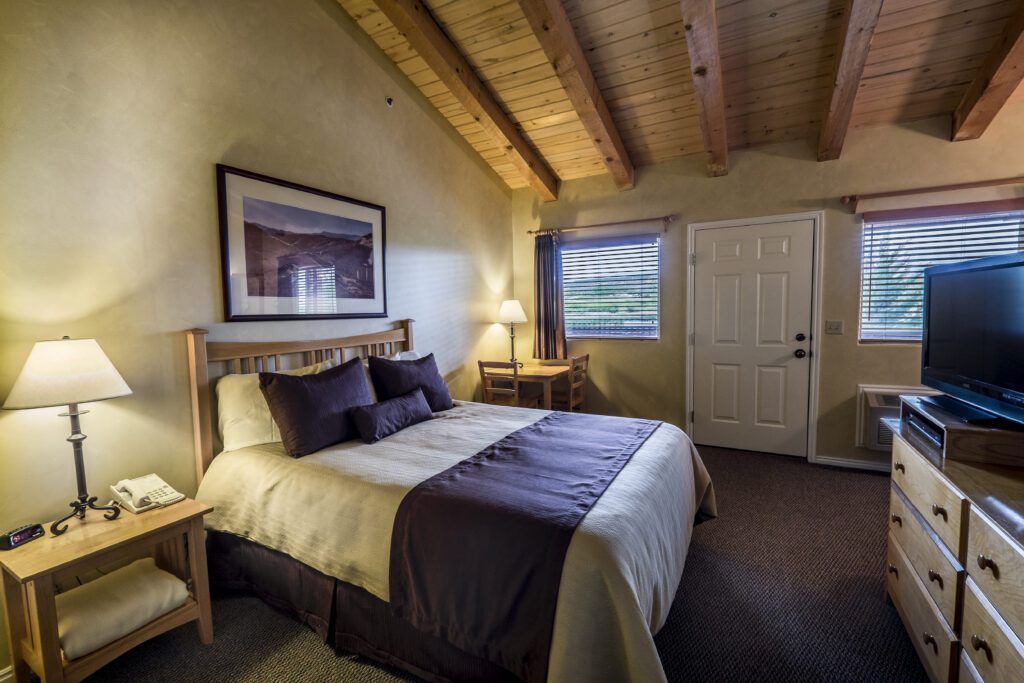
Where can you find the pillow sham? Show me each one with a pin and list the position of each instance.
(243, 416)
(401, 355)
(379, 420)
(313, 411)
(394, 378)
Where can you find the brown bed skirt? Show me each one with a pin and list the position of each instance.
(345, 616)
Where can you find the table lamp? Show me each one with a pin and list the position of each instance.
(69, 372)
(510, 313)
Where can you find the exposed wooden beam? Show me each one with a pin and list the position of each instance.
(555, 33)
(414, 21)
(701, 24)
(999, 75)
(860, 18)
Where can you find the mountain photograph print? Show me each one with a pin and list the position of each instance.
(296, 252)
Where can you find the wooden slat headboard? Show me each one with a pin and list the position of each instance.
(238, 357)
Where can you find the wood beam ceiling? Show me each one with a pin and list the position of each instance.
(999, 75)
(555, 33)
(701, 25)
(860, 18)
(414, 21)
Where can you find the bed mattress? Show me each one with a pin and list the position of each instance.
(334, 511)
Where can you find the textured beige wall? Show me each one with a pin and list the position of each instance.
(112, 117)
(646, 378)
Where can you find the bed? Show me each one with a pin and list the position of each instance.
(312, 536)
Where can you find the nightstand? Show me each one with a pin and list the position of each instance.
(173, 536)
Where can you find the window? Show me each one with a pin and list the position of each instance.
(895, 254)
(611, 287)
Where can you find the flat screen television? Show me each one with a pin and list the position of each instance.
(973, 343)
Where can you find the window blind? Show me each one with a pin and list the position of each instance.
(611, 287)
(895, 254)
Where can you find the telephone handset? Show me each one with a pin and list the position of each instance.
(144, 493)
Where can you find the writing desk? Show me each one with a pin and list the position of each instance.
(544, 375)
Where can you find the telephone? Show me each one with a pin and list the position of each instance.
(144, 493)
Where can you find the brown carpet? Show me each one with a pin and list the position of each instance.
(786, 585)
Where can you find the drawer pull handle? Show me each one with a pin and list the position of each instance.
(894, 571)
(986, 562)
(900, 467)
(981, 644)
(934, 576)
(940, 511)
(896, 519)
(929, 639)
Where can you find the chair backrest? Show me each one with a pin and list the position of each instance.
(499, 385)
(578, 378)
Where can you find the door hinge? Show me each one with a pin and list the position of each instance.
(692, 418)
(693, 259)
(693, 339)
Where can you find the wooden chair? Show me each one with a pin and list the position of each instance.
(570, 394)
(501, 388)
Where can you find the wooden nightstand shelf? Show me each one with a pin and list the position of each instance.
(173, 536)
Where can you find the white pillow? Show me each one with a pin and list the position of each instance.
(101, 611)
(406, 355)
(243, 415)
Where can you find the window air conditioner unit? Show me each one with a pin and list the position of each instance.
(879, 402)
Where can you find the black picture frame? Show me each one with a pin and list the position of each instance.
(229, 247)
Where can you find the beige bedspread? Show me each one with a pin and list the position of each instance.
(334, 510)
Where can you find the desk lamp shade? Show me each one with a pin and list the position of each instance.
(511, 312)
(69, 372)
(59, 373)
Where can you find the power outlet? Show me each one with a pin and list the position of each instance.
(833, 327)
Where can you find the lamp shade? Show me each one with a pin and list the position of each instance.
(511, 311)
(66, 371)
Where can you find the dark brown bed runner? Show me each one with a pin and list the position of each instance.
(477, 550)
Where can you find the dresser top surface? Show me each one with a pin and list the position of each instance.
(996, 490)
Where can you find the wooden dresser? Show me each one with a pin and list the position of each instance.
(955, 562)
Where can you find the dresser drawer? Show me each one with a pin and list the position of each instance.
(934, 564)
(968, 674)
(996, 563)
(995, 651)
(935, 642)
(943, 506)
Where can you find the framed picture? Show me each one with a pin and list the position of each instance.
(291, 252)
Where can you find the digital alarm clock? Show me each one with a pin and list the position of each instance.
(20, 536)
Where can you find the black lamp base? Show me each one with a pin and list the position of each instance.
(78, 508)
(84, 500)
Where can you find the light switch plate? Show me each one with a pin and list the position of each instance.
(833, 327)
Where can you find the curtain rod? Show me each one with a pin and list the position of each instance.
(667, 220)
(852, 199)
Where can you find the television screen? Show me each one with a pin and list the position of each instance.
(974, 333)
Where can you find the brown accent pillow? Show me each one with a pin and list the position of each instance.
(394, 378)
(313, 411)
(393, 415)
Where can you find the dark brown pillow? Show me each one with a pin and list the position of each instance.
(394, 378)
(313, 411)
(390, 416)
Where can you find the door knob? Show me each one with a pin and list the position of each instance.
(800, 353)
(800, 336)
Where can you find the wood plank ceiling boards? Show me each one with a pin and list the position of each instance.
(547, 91)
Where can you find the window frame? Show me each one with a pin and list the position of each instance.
(920, 224)
(581, 243)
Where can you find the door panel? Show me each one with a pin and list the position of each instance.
(752, 296)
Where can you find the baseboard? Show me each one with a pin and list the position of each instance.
(7, 675)
(851, 463)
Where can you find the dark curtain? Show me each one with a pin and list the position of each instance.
(549, 318)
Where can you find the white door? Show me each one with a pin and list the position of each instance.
(752, 329)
